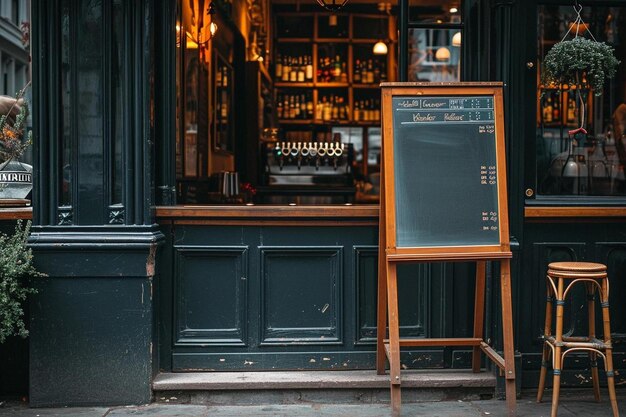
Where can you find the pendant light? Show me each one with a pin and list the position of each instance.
(380, 48)
(212, 24)
(332, 5)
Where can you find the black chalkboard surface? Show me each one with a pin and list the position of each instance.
(445, 170)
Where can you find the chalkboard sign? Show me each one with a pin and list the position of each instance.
(443, 198)
(444, 169)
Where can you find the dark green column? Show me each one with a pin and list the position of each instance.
(93, 337)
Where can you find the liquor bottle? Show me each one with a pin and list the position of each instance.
(571, 110)
(279, 67)
(328, 111)
(356, 76)
(337, 68)
(309, 107)
(285, 107)
(377, 110)
(547, 111)
(301, 70)
(320, 72)
(218, 77)
(377, 72)
(225, 77)
(296, 107)
(279, 107)
(344, 73)
(370, 72)
(357, 112)
(293, 70)
(334, 108)
(309, 68)
(292, 107)
(556, 112)
(286, 69)
(302, 106)
(319, 111)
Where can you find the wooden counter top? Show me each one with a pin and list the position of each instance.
(572, 212)
(279, 215)
(16, 213)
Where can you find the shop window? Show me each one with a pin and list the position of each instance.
(591, 164)
(434, 39)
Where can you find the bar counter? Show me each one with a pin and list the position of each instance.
(270, 215)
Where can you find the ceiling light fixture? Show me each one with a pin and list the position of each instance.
(332, 5)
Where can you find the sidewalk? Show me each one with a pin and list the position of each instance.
(572, 403)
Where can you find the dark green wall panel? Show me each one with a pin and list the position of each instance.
(310, 299)
(301, 295)
(91, 341)
(210, 293)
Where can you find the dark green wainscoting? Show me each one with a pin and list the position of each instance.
(297, 297)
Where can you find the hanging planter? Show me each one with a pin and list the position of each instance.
(584, 63)
(581, 62)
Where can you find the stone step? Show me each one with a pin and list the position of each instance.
(340, 387)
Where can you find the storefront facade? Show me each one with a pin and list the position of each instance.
(141, 283)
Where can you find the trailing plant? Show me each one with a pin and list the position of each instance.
(573, 61)
(16, 270)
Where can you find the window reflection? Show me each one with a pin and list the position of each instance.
(434, 11)
(434, 55)
(579, 164)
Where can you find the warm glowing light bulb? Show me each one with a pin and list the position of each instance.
(213, 28)
(380, 48)
(442, 54)
(453, 10)
(456, 39)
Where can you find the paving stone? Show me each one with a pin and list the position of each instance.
(160, 410)
(20, 410)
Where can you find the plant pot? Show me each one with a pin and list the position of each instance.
(16, 183)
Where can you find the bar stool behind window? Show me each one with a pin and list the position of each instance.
(562, 276)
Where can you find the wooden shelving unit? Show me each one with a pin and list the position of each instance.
(352, 37)
(349, 47)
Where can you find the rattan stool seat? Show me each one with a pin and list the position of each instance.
(577, 267)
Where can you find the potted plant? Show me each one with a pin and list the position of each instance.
(16, 269)
(15, 176)
(581, 62)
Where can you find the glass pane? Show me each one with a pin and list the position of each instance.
(117, 121)
(434, 55)
(65, 197)
(581, 164)
(435, 11)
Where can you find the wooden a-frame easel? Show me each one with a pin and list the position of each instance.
(389, 255)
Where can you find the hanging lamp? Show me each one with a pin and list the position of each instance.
(332, 5)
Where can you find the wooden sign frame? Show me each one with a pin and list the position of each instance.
(390, 254)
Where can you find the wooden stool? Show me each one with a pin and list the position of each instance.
(560, 279)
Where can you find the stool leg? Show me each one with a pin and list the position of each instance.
(556, 364)
(610, 376)
(593, 356)
(547, 331)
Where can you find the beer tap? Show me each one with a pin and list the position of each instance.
(299, 154)
(280, 155)
(286, 149)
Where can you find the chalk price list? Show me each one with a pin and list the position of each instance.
(488, 175)
(489, 221)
